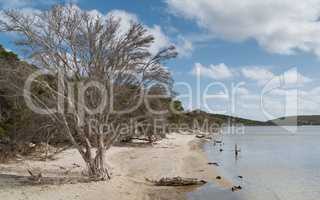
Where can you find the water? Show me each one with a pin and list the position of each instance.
(275, 164)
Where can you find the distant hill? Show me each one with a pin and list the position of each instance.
(300, 120)
(201, 116)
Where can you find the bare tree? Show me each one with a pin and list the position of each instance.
(99, 64)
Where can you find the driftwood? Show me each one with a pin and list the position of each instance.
(214, 163)
(236, 188)
(200, 136)
(35, 177)
(177, 181)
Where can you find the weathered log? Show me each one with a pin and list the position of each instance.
(214, 163)
(200, 136)
(177, 181)
(236, 188)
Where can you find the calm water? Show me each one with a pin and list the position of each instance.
(275, 164)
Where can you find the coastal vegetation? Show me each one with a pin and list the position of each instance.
(79, 54)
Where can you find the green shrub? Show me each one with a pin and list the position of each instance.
(2, 132)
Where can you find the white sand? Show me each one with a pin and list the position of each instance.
(178, 155)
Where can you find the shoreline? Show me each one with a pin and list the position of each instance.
(177, 155)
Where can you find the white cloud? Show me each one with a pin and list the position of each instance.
(125, 18)
(242, 91)
(160, 39)
(217, 72)
(262, 76)
(283, 27)
(259, 74)
(184, 46)
(294, 77)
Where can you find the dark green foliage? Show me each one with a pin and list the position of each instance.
(177, 106)
(2, 132)
(7, 55)
(202, 118)
(17, 122)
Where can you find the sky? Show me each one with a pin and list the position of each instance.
(250, 58)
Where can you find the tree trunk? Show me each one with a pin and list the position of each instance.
(96, 166)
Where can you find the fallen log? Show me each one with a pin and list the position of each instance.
(236, 188)
(214, 163)
(200, 136)
(177, 181)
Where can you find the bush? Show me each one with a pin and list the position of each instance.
(2, 132)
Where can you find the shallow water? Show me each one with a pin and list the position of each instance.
(275, 164)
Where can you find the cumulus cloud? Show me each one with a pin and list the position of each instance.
(293, 77)
(161, 40)
(284, 27)
(184, 46)
(283, 94)
(242, 91)
(263, 76)
(125, 18)
(216, 72)
(259, 74)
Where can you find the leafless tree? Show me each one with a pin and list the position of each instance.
(88, 49)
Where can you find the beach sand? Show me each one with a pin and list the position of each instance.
(177, 155)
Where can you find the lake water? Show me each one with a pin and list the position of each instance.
(275, 165)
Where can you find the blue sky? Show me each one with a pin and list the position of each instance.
(225, 43)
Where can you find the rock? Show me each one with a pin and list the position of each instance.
(218, 177)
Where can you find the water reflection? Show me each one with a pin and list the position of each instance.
(274, 165)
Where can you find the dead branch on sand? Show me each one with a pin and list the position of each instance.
(177, 181)
(35, 177)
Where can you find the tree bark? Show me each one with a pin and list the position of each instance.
(96, 166)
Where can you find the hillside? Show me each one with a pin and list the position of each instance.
(201, 116)
(300, 120)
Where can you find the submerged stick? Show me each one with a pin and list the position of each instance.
(177, 181)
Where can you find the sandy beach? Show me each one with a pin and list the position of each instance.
(177, 155)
